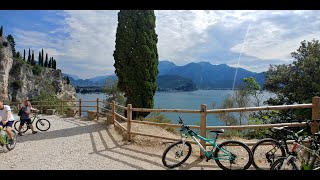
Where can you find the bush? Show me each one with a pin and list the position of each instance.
(159, 118)
(36, 70)
(5, 44)
(17, 84)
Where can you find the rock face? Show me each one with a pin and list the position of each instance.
(5, 67)
(19, 80)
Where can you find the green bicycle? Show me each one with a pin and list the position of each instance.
(5, 140)
(41, 124)
(228, 155)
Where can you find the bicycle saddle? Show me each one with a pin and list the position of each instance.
(218, 131)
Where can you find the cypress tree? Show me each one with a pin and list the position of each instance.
(68, 80)
(32, 59)
(24, 55)
(1, 31)
(12, 44)
(46, 60)
(50, 63)
(39, 59)
(136, 57)
(54, 66)
(29, 57)
(46, 63)
(42, 56)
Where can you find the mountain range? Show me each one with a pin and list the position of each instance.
(192, 76)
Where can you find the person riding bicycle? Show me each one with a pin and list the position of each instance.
(6, 120)
(24, 118)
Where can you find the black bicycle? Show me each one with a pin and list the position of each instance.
(41, 124)
(268, 150)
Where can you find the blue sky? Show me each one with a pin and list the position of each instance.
(82, 42)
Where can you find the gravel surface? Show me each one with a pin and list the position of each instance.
(79, 144)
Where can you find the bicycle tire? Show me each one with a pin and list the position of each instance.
(23, 129)
(278, 163)
(260, 157)
(9, 146)
(43, 124)
(244, 153)
(167, 153)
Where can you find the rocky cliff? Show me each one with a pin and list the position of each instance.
(19, 80)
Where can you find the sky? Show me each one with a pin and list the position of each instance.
(83, 41)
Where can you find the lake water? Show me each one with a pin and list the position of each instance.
(180, 100)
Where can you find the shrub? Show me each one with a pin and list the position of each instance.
(17, 84)
(36, 70)
(5, 44)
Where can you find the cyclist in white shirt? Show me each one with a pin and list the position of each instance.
(6, 119)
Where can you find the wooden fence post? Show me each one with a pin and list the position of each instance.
(129, 118)
(315, 114)
(97, 109)
(80, 107)
(203, 127)
(113, 112)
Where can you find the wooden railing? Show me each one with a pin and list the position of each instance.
(203, 118)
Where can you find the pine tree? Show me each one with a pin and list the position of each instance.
(12, 44)
(136, 57)
(24, 55)
(29, 57)
(1, 31)
(32, 59)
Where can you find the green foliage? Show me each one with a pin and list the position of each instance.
(113, 94)
(29, 57)
(1, 31)
(17, 84)
(297, 82)
(42, 57)
(36, 70)
(46, 63)
(68, 80)
(18, 55)
(12, 44)
(50, 63)
(136, 57)
(5, 44)
(48, 99)
(33, 62)
(54, 65)
(24, 55)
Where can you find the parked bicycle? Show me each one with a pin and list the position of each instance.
(5, 139)
(301, 157)
(41, 124)
(228, 155)
(268, 150)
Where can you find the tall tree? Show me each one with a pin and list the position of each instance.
(54, 64)
(18, 55)
(68, 80)
(42, 57)
(46, 63)
(136, 57)
(32, 59)
(1, 31)
(29, 57)
(24, 55)
(46, 60)
(50, 63)
(297, 82)
(39, 59)
(12, 44)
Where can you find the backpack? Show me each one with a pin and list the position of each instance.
(20, 112)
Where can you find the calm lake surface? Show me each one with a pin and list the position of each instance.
(180, 100)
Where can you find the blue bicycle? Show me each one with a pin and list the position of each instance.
(228, 155)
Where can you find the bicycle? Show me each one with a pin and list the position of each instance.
(173, 156)
(41, 124)
(309, 163)
(5, 139)
(264, 156)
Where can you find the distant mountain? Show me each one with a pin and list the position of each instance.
(175, 83)
(208, 76)
(98, 79)
(75, 77)
(165, 66)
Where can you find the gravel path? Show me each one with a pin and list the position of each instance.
(78, 144)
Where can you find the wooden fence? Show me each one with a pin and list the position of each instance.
(99, 109)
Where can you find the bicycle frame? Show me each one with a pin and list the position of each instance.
(212, 141)
(3, 139)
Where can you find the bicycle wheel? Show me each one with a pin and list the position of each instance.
(176, 154)
(43, 124)
(24, 128)
(9, 146)
(233, 155)
(265, 152)
(277, 165)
